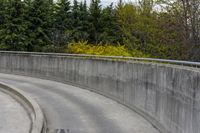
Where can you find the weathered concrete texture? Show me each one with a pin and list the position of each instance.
(168, 96)
(13, 117)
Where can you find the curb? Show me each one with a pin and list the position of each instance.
(38, 123)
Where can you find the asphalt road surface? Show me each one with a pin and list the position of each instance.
(70, 109)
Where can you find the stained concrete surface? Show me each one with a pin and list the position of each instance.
(166, 95)
(70, 109)
(13, 117)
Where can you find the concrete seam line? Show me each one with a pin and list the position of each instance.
(33, 109)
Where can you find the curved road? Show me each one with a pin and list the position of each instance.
(70, 109)
(12, 115)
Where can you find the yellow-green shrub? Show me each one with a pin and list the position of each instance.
(100, 49)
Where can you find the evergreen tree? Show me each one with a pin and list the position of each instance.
(2, 22)
(46, 25)
(13, 25)
(110, 31)
(75, 20)
(75, 13)
(62, 23)
(39, 16)
(84, 24)
(2, 12)
(80, 21)
(95, 17)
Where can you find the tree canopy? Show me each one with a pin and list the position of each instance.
(157, 28)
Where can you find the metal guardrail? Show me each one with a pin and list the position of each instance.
(177, 62)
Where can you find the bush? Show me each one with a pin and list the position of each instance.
(100, 49)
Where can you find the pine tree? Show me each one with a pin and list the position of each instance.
(62, 23)
(2, 22)
(75, 20)
(84, 25)
(13, 25)
(75, 13)
(39, 16)
(110, 30)
(2, 12)
(95, 17)
(80, 21)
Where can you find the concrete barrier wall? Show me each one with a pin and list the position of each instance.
(168, 96)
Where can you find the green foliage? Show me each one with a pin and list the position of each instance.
(94, 18)
(61, 31)
(142, 29)
(127, 29)
(110, 30)
(13, 26)
(80, 21)
(39, 17)
(82, 29)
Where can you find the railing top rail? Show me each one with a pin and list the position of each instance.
(177, 62)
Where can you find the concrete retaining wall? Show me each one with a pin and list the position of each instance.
(167, 96)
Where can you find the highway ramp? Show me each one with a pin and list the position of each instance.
(13, 116)
(70, 109)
